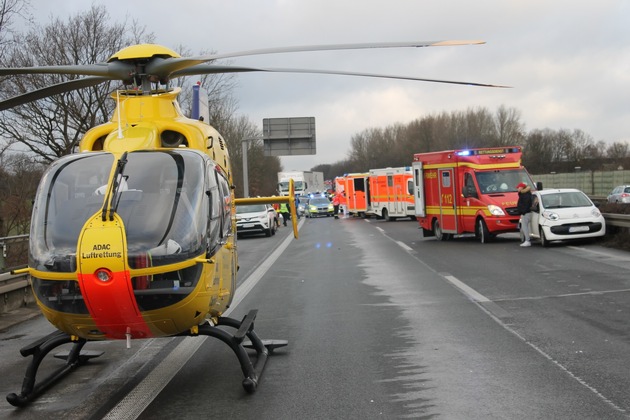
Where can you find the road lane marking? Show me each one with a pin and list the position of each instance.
(467, 290)
(498, 314)
(404, 246)
(591, 292)
(146, 391)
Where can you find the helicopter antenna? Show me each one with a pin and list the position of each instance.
(120, 135)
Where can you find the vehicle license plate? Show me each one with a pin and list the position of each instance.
(248, 225)
(573, 229)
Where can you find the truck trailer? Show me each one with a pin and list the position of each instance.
(304, 182)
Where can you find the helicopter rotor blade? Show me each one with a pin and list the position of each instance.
(177, 64)
(52, 90)
(163, 66)
(115, 70)
(214, 69)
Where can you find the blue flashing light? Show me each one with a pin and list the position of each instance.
(464, 153)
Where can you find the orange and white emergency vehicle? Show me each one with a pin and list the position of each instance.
(340, 189)
(468, 191)
(390, 193)
(354, 196)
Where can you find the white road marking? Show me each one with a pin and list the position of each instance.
(467, 290)
(146, 391)
(496, 312)
(404, 246)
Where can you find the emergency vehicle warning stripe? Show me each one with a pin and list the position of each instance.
(492, 165)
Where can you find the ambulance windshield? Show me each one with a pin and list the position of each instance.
(492, 182)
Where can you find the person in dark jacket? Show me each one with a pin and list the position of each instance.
(524, 207)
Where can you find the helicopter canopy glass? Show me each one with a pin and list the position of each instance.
(161, 200)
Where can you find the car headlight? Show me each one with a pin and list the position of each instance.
(495, 210)
(550, 215)
(330, 207)
(312, 208)
(595, 212)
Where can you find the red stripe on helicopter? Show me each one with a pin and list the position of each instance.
(113, 306)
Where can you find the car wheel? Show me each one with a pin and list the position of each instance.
(543, 239)
(437, 231)
(386, 216)
(482, 232)
(268, 232)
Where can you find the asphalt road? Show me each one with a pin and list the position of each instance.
(382, 323)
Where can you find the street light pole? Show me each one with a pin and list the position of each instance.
(245, 175)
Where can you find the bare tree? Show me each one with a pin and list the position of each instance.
(10, 11)
(20, 176)
(510, 129)
(262, 170)
(538, 151)
(618, 154)
(52, 127)
(580, 142)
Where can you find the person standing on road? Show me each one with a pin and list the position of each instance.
(276, 211)
(524, 207)
(284, 211)
(335, 203)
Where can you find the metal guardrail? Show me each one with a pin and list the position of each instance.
(619, 220)
(15, 292)
(11, 282)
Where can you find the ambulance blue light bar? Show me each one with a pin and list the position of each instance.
(487, 151)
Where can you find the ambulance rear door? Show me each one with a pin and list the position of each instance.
(418, 189)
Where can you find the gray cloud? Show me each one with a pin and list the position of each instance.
(568, 62)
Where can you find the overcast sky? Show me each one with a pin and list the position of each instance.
(568, 62)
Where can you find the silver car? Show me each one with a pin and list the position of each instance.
(620, 194)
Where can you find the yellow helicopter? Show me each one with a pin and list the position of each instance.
(134, 237)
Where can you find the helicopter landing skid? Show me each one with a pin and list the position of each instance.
(39, 349)
(245, 328)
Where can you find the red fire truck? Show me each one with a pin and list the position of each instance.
(390, 193)
(468, 191)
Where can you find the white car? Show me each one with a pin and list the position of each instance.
(256, 218)
(565, 214)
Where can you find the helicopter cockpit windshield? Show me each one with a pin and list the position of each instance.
(161, 202)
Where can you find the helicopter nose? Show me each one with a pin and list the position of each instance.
(105, 281)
